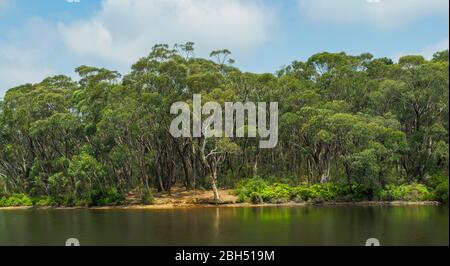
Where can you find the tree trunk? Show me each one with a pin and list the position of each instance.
(214, 186)
(187, 173)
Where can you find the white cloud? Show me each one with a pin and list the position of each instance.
(20, 66)
(426, 52)
(386, 14)
(3, 4)
(430, 50)
(124, 30)
(27, 54)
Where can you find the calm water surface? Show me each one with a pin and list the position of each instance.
(415, 225)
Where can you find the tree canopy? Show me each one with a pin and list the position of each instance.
(343, 119)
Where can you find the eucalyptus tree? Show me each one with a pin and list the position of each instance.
(356, 120)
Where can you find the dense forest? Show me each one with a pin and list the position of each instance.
(360, 127)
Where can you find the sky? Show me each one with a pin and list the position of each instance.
(41, 38)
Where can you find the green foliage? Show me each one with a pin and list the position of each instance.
(413, 192)
(354, 127)
(58, 184)
(44, 202)
(440, 193)
(106, 197)
(241, 198)
(276, 191)
(440, 188)
(147, 197)
(16, 200)
(251, 189)
(256, 198)
(246, 187)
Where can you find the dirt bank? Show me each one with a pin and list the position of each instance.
(182, 198)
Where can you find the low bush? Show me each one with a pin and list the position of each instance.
(44, 202)
(16, 200)
(438, 184)
(413, 192)
(106, 197)
(440, 192)
(241, 198)
(324, 192)
(147, 198)
(276, 191)
(256, 198)
(246, 187)
(253, 190)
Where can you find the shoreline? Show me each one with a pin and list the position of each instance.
(234, 205)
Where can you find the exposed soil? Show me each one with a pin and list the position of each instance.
(179, 197)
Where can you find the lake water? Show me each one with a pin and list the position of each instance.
(411, 225)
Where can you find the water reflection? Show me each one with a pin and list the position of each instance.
(412, 225)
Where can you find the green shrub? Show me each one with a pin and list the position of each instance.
(63, 201)
(303, 193)
(246, 187)
(364, 193)
(16, 200)
(276, 191)
(418, 192)
(241, 198)
(283, 192)
(256, 198)
(436, 179)
(247, 190)
(82, 203)
(413, 192)
(438, 183)
(106, 197)
(147, 198)
(326, 192)
(440, 193)
(44, 202)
